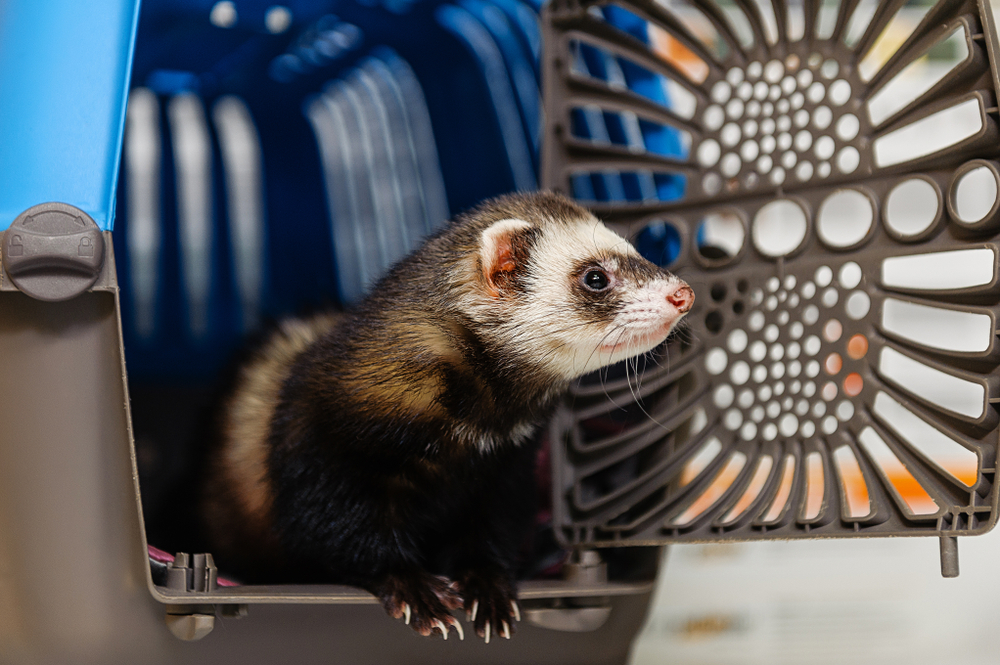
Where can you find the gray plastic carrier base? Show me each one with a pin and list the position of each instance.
(75, 579)
(837, 214)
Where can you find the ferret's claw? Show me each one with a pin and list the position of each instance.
(444, 628)
(475, 609)
(517, 611)
(406, 613)
(487, 632)
(458, 627)
(506, 630)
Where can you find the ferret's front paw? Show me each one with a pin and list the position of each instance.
(424, 601)
(490, 602)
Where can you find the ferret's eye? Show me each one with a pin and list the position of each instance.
(596, 280)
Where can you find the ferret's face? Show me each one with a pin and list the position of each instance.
(576, 296)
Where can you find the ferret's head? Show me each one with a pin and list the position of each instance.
(556, 288)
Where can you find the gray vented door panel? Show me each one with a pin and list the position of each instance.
(825, 178)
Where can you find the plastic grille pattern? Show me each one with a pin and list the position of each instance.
(831, 192)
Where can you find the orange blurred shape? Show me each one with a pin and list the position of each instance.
(853, 384)
(857, 347)
(667, 47)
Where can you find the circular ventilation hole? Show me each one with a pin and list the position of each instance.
(824, 147)
(830, 69)
(711, 183)
(744, 90)
(845, 218)
(792, 62)
(768, 144)
(732, 419)
(760, 90)
(848, 127)
(832, 330)
(822, 117)
(858, 304)
(784, 124)
(845, 411)
(912, 207)
(774, 93)
(788, 85)
(709, 153)
(718, 292)
(797, 100)
(784, 141)
(773, 71)
(803, 140)
(840, 92)
(783, 106)
(737, 341)
(777, 352)
(778, 176)
(721, 92)
(801, 118)
(805, 78)
(767, 108)
(757, 351)
(737, 307)
(755, 321)
(779, 228)
(720, 235)
(857, 347)
(716, 361)
(749, 151)
(789, 159)
(974, 194)
(833, 364)
(830, 297)
(750, 128)
(753, 108)
(804, 171)
(823, 169)
(823, 276)
(771, 333)
(659, 243)
(734, 109)
(853, 384)
(819, 408)
(730, 134)
(788, 425)
(794, 348)
(748, 432)
(812, 345)
(829, 425)
(767, 127)
(734, 76)
(807, 429)
(850, 275)
(714, 322)
(828, 392)
(713, 117)
(848, 159)
(730, 165)
(723, 396)
(810, 315)
(816, 92)
(759, 373)
(740, 373)
(764, 164)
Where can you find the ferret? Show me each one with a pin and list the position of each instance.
(390, 447)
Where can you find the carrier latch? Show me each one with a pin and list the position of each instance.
(53, 252)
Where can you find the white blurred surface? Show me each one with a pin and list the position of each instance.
(824, 601)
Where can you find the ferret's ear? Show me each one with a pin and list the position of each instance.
(502, 251)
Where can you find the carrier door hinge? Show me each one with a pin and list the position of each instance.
(195, 573)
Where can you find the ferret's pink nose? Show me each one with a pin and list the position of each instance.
(682, 298)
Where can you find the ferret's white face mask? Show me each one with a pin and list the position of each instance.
(579, 297)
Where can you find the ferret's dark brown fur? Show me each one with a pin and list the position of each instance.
(390, 447)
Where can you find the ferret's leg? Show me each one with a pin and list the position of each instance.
(485, 551)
